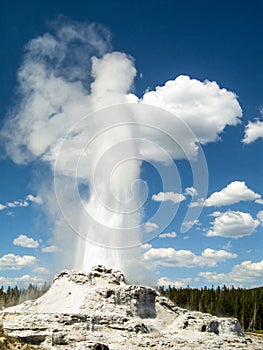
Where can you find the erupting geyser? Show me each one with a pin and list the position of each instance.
(114, 166)
(76, 112)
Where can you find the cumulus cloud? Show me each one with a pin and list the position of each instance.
(253, 131)
(198, 203)
(215, 214)
(246, 273)
(50, 249)
(16, 262)
(212, 257)
(16, 204)
(25, 241)
(205, 107)
(191, 191)
(23, 280)
(233, 193)
(168, 196)
(150, 226)
(34, 199)
(233, 224)
(22, 202)
(2, 207)
(168, 235)
(177, 283)
(169, 257)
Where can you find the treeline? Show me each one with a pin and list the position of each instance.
(244, 304)
(14, 295)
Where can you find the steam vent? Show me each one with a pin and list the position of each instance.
(98, 310)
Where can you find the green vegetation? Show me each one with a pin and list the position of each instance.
(5, 340)
(244, 304)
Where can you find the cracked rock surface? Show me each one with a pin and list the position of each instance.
(98, 310)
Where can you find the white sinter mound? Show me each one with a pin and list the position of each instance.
(98, 310)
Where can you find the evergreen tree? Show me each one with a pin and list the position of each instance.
(244, 304)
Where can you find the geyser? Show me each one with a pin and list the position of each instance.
(75, 111)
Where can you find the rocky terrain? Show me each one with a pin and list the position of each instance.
(11, 343)
(98, 310)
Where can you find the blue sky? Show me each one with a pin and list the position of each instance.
(204, 40)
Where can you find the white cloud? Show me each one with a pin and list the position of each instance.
(2, 207)
(22, 203)
(233, 224)
(188, 224)
(178, 283)
(34, 199)
(200, 202)
(25, 241)
(205, 107)
(168, 235)
(246, 273)
(41, 270)
(17, 204)
(146, 246)
(169, 257)
(260, 215)
(23, 280)
(191, 191)
(215, 214)
(259, 201)
(253, 131)
(50, 249)
(168, 196)
(235, 192)
(16, 262)
(212, 257)
(150, 226)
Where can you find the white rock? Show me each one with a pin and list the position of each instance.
(82, 309)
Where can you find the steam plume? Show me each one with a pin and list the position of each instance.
(76, 113)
